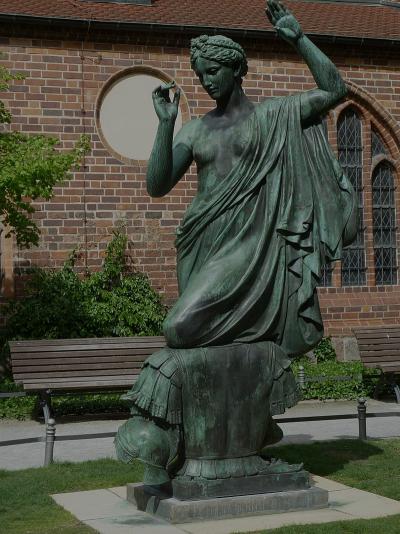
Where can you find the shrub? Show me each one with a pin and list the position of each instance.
(116, 301)
(324, 351)
(16, 407)
(330, 383)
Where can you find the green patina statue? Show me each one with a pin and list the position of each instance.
(272, 208)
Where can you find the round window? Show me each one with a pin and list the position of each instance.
(126, 115)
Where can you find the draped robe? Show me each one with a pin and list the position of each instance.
(251, 251)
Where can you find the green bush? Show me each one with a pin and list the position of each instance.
(15, 407)
(331, 386)
(115, 301)
(324, 351)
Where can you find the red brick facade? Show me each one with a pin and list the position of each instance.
(64, 79)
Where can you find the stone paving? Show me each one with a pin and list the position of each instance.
(31, 455)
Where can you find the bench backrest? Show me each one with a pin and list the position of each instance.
(380, 347)
(81, 364)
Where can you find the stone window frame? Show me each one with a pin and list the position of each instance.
(373, 116)
(120, 75)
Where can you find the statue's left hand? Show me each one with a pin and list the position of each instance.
(284, 22)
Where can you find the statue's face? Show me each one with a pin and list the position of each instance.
(218, 80)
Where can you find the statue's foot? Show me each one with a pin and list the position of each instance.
(279, 466)
(156, 482)
(155, 476)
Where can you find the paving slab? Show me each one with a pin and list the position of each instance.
(101, 510)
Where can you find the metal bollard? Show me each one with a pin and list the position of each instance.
(302, 377)
(50, 438)
(362, 419)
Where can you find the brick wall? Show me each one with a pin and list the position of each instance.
(63, 81)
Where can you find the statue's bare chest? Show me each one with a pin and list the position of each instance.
(220, 148)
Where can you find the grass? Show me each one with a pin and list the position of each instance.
(371, 466)
(27, 508)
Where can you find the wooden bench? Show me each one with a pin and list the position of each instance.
(79, 365)
(380, 348)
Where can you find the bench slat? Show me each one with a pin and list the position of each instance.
(86, 348)
(145, 351)
(377, 335)
(393, 344)
(374, 358)
(81, 373)
(36, 362)
(125, 385)
(380, 353)
(85, 341)
(100, 378)
(33, 370)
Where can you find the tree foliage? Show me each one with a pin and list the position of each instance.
(30, 166)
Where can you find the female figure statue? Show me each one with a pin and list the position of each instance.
(272, 208)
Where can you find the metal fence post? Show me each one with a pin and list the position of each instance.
(50, 438)
(302, 377)
(362, 419)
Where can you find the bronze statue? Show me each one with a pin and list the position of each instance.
(272, 208)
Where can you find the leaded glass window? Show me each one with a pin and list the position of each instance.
(384, 225)
(326, 272)
(350, 149)
(326, 275)
(377, 145)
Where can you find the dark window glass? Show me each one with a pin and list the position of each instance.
(350, 156)
(326, 275)
(384, 225)
(326, 272)
(377, 145)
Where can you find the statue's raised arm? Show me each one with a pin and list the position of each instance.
(331, 87)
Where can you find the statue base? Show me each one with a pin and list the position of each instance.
(187, 488)
(174, 510)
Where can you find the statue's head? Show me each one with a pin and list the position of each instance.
(219, 62)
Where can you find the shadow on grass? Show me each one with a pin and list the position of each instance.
(326, 457)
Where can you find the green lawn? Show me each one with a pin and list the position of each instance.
(371, 466)
(27, 508)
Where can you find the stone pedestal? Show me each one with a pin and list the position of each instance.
(177, 511)
(187, 489)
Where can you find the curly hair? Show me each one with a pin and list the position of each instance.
(220, 49)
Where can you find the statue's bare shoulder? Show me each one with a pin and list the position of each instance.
(188, 133)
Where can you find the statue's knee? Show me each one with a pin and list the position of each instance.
(142, 439)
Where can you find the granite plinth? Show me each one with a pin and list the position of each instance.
(185, 488)
(176, 511)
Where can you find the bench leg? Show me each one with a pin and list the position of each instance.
(45, 404)
(396, 389)
(391, 381)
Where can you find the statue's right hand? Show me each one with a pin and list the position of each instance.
(165, 109)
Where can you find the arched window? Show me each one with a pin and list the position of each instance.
(368, 151)
(350, 154)
(377, 145)
(384, 224)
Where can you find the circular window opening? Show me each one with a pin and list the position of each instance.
(126, 115)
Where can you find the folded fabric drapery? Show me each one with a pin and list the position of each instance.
(250, 253)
